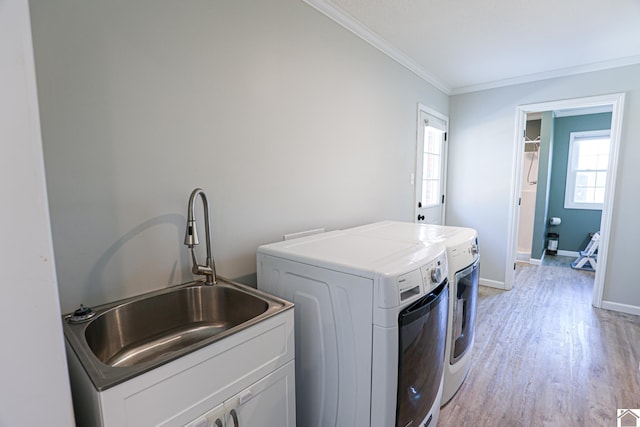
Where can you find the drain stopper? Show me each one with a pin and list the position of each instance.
(82, 314)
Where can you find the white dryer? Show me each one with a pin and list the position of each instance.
(370, 325)
(463, 259)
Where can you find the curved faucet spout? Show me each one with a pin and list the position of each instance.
(191, 237)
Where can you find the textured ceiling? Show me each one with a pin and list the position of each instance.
(467, 45)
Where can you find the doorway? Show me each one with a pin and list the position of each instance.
(431, 164)
(613, 103)
(529, 188)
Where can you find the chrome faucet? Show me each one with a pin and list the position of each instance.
(191, 238)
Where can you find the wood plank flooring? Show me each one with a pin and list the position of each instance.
(543, 356)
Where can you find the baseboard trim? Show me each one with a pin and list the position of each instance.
(534, 261)
(491, 283)
(568, 253)
(523, 256)
(621, 308)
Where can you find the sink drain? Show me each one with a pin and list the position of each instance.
(82, 314)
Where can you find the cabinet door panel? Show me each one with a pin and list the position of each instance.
(213, 418)
(268, 402)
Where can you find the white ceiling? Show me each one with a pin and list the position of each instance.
(464, 45)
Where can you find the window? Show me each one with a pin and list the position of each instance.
(587, 169)
(432, 162)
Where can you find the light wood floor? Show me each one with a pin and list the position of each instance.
(543, 356)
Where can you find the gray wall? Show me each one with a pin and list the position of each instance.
(481, 149)
(576, 223)
(287, 120)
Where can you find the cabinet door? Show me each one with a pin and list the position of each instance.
(268, 402)
(213, 418)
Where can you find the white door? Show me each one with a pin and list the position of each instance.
(431, 161)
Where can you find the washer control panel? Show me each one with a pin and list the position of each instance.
(393, 291)
(434, 272)
(436, 275)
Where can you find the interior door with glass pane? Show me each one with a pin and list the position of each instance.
(431, 163)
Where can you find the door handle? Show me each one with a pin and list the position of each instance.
(420, 217)
(234, 415)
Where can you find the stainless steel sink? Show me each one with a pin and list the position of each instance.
(130, 337)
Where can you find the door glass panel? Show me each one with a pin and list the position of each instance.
(432, 166)
(430, 192)
(431, 140)
(464, 311)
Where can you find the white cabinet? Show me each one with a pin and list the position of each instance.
(213, 418)
(267, 402)
(250, 372)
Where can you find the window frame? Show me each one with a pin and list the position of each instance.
(572, 170)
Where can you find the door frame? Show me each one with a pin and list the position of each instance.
(445, 153)
(616, 102)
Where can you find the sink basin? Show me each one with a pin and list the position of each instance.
(130, 337)
(142, 330)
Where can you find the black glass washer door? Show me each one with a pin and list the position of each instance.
(464, 313)
(422, 333)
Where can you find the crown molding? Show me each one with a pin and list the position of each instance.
(341, 17)
(563, 72)
(356, 27)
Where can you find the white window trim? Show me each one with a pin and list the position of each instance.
(571, 176)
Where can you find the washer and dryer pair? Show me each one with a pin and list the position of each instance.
(463, 257)
(371, 310)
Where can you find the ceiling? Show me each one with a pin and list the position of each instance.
(464, 45)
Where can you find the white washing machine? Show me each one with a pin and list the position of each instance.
(370, 324)
(463, 259)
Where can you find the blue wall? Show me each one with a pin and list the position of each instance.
(576, 223)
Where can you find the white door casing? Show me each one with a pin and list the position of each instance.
(616, 101)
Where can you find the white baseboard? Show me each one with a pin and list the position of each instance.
(568, 253)
(525, 257)
(491, 283)
(622, 308)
